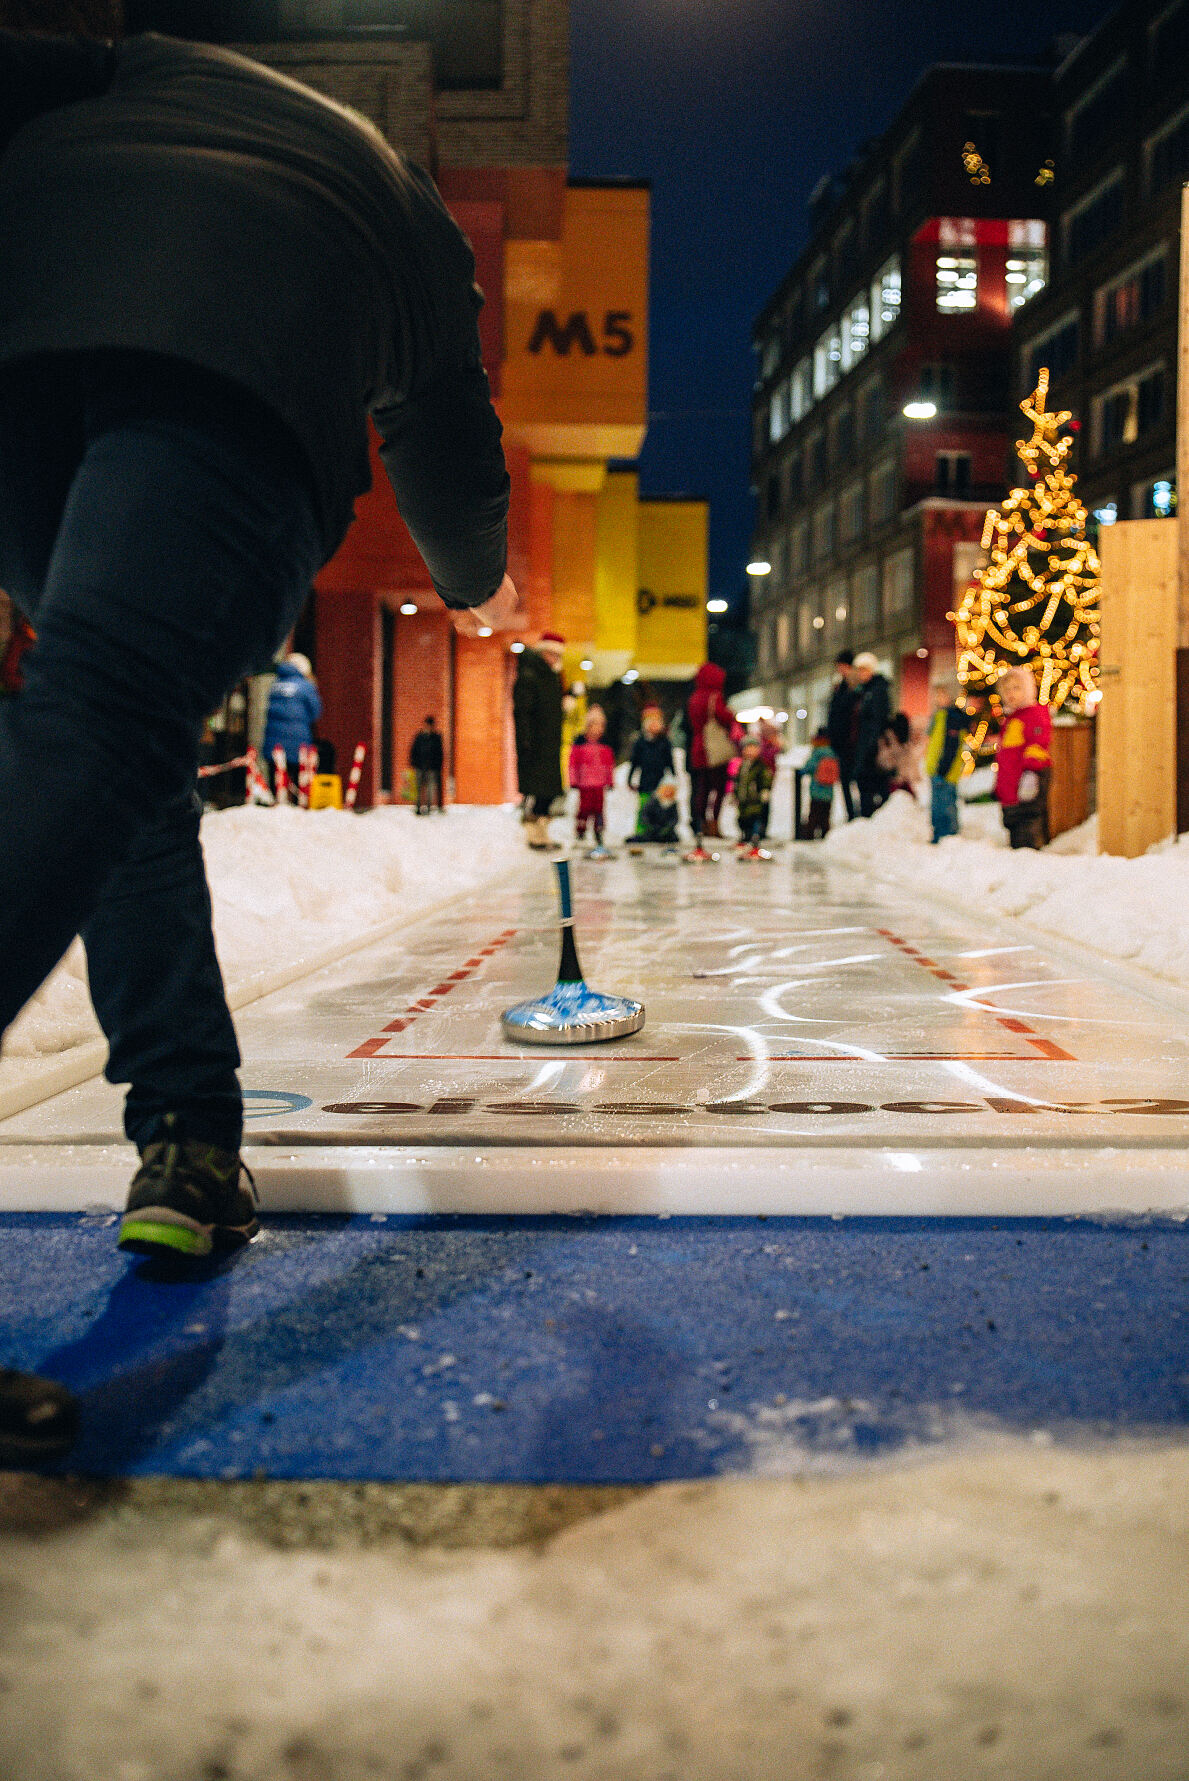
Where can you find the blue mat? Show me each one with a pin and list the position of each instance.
(614, 1350)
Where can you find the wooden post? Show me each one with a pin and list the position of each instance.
(1183, 432)
(1137, 742)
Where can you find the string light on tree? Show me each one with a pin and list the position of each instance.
(1036, 600)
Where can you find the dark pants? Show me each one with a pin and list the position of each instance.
(943, 808)
(846, 774)
(429, 789)
(873, 789)
(162, 554)
(709, 790)
(819, 818)
(1027, 825)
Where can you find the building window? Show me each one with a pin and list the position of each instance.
(827, 361)
(845, 246)
(1122, 415)
(885, 298)
(782, 638)
(793, 479)
(876, 215)
(770, 356)
(850, 508)
(953, 472)
(1088, 224)
(873, 412)
(856, 332)
(778, 415)
(823, 532)
(844, 436)
(865, 598)
(898, 585)
(801, 391)
(1156, 499)
(772, 496)
(816, 459)
(1168, 45)
(1088, 123)
(819, 286)
(1027, 273)
(906, 173)
(936, 383)
(957, 282)
(837, 603)
(883, 492)
(780, 562)
(1057, 349)
(1131, 299)
(1168, 155)
(799, 551)
(806, 613)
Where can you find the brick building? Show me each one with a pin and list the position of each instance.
(901, 306)
(1106, 325)
(478, 93)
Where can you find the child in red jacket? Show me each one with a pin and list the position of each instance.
(592, 770)
(1022, 760)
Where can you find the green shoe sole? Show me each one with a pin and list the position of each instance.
(143, 1236)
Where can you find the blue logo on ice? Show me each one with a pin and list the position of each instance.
(273, 1103)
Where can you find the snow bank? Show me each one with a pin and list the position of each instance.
(290, 885)
(1136, 910)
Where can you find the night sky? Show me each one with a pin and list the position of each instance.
(734, 109)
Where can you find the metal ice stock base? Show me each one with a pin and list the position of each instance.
(571, 1014)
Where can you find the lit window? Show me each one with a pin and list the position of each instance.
(1107, 514)
(885, 298)
(827, 361)
(801, 391)
(856, 333)
(778, 415)
(1026, 274)
(957, 282)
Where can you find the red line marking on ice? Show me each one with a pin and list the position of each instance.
(1046, 1047)
(375, 1047)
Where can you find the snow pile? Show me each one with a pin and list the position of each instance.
(1136, 910)
(290, 885)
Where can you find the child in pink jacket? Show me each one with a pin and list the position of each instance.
(592, 770)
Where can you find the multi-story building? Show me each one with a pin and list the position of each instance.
(1106, 325)
(478, 93)
(881, 422)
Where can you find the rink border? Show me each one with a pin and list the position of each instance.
(885, 1181)
(82, 1063)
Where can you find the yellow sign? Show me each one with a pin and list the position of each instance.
(671, 596)
(575, 373)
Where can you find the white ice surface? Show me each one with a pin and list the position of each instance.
(290, 885)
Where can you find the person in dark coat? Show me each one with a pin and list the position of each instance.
(651, 759)
(708, 762)
(537, 716)
(212, 276)
(426, 757)
(841, 724)
(874, 715)
(294, 707)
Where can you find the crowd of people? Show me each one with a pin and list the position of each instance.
(862, 754)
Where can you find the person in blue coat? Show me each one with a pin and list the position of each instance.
(294, 707)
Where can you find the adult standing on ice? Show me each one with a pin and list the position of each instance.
(537, 717)
(294, 707)
(211, 276)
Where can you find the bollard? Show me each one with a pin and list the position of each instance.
(356, 775)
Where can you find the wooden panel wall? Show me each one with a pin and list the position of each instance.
(1137, 744)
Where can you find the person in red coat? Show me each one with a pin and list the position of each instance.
(1022, 760)
(592, 771)
(708, 716)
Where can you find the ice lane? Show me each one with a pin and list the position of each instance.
(814, 1044)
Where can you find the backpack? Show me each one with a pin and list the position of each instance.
(717, 742)
(826, 771)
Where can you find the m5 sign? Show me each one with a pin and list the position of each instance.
(617, 335)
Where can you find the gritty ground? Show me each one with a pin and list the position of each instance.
(1007, 1610)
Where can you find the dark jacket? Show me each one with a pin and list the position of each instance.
(658, 821)
(425, 755)
(840, 719)
(753, 788)
(875, 711)
(652, 758)
(706, 701)
(294, 707)
(176, 199)
(536, 712)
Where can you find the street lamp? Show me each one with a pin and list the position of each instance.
(919, 411)
(716, 606)
(759, 566)
(586, 666)
(408, 608)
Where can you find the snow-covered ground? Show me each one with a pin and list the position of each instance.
(289, 887)
(1135, 910)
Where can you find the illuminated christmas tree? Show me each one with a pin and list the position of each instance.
(1036, 600)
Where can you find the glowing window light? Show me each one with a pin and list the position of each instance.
(818, 622)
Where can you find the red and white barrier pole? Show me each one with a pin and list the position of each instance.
(307, 760)
(256, 789)
(280, 775)
(356, 775)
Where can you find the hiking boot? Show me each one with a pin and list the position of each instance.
(187, 1199)
(38, 1419)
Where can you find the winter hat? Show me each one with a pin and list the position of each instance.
(865, 659)
(668, 783)
(302, 663)
(553, 637)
